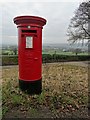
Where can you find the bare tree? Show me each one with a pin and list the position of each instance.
(78, 29)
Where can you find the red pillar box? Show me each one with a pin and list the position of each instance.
(30, 52)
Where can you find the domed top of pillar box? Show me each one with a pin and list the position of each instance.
(29, 20)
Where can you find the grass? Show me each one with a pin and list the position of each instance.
(65, 87)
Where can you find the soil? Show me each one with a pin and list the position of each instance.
(46, 113)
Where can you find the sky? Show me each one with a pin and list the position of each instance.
(57, 13)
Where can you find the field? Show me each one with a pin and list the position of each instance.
(51, 51)
(65, 93)
(62, 52)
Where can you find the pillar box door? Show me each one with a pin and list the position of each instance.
(30, 52)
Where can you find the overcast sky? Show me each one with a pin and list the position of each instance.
(57, 14)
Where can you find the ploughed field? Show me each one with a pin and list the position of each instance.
(64, 94)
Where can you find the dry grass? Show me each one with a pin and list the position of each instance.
(65, 87)
(65, 78)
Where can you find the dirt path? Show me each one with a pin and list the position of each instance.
(81, 63)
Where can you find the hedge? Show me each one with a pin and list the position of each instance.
(9, 60)
(64, 58)
(47, 58)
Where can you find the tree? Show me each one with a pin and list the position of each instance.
(78, 27)
(15, 51)
(77, 51)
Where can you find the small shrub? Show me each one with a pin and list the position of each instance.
(16, 99)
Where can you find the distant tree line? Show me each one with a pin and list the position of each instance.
(10, 52)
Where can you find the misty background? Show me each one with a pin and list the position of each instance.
(57, 14)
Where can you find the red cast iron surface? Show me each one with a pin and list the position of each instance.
(30, 59)
(29, 20)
